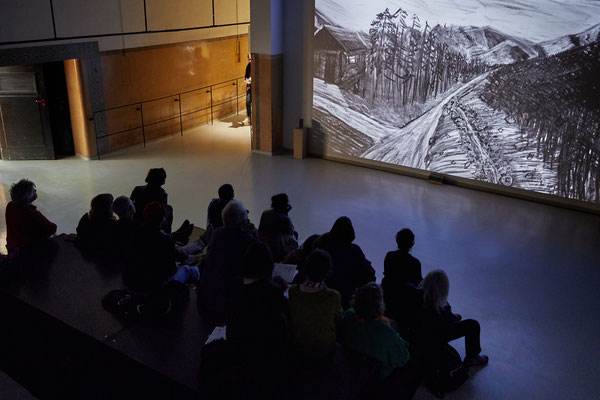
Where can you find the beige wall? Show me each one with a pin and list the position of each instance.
(29, 21)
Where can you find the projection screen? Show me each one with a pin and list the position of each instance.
(504, 92)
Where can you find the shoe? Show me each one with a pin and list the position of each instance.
(476, 361)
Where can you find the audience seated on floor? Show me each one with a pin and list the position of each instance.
(351, 269)
(276, 228)
(153, 191)
(216, 206)
(439, 326)
(402, 277)
(96, 228)
(155, 262)
(366, 331)
(315, 310)
(25, 225)
(221, 269)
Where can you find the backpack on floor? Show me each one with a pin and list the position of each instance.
(449, 373)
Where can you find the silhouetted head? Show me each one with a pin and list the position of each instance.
(23, 192)
(154, 214)
(124, 208)
(318, 265)
(258, 263)
(368, 301)
(226, 192)
(101, 207)
(405, 239)
(234, 215)
(281, 203)
(435, 290)
(156, 177)
(342, 231)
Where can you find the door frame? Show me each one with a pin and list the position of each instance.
(89, 54)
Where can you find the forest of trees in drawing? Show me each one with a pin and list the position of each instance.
(467, 101)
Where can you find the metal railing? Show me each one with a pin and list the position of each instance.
(207, 97)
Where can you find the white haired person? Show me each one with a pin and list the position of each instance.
(440, 324)
(25, 225)
(221, 271)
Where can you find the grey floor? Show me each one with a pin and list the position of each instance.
(528, 272)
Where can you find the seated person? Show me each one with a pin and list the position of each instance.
(25, 226)
(276, 228)
(153, 191)
(439, 326)
(216, 206)
(298, 257)
(96, 228)
(402, 276)
(155, 262)
(366, 331)
(258, 323)
(125, 230)
(222, 265)
(351, 269)
(315, 310)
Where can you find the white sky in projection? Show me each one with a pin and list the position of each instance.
(535, 20)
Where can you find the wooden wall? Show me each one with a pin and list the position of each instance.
(138, 75)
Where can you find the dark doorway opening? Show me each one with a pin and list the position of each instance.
(58, 109)
(35, 121)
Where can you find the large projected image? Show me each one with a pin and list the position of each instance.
(505, 92)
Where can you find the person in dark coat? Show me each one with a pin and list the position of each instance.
(152, 191)
(216, 206)
(155, 256)
(126, 231)
(276, 228)
(25, 225)
(221, 271)
(96, 228)
(351, 269)
(402, 277)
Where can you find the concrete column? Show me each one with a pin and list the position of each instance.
(266, 45)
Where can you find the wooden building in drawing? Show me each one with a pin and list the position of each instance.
(340, 56)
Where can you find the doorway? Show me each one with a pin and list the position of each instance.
(35, 121)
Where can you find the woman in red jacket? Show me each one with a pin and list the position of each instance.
(25, 225)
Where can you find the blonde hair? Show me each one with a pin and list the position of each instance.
(435, 290)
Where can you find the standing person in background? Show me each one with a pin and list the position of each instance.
(25, 226)
(248, 80)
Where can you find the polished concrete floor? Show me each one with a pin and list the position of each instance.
(528, 272)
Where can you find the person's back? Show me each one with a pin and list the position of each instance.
(367, 332)
(222, 266)
(154, 261)
(141, 196)
(95, 229)
(315, 310)
(351, 269)
(257, 327)
(276, 228)
(216, 206)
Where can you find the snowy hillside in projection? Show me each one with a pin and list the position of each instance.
(481, 101)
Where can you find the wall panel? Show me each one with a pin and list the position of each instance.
(25, 20)
(178, 14)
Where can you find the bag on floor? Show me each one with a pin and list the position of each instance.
(449, 373)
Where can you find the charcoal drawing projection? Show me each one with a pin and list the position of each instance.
(506, 92)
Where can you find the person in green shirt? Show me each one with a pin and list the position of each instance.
(315, 310)
(366, 331)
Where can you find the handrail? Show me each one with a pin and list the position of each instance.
(177, 98)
